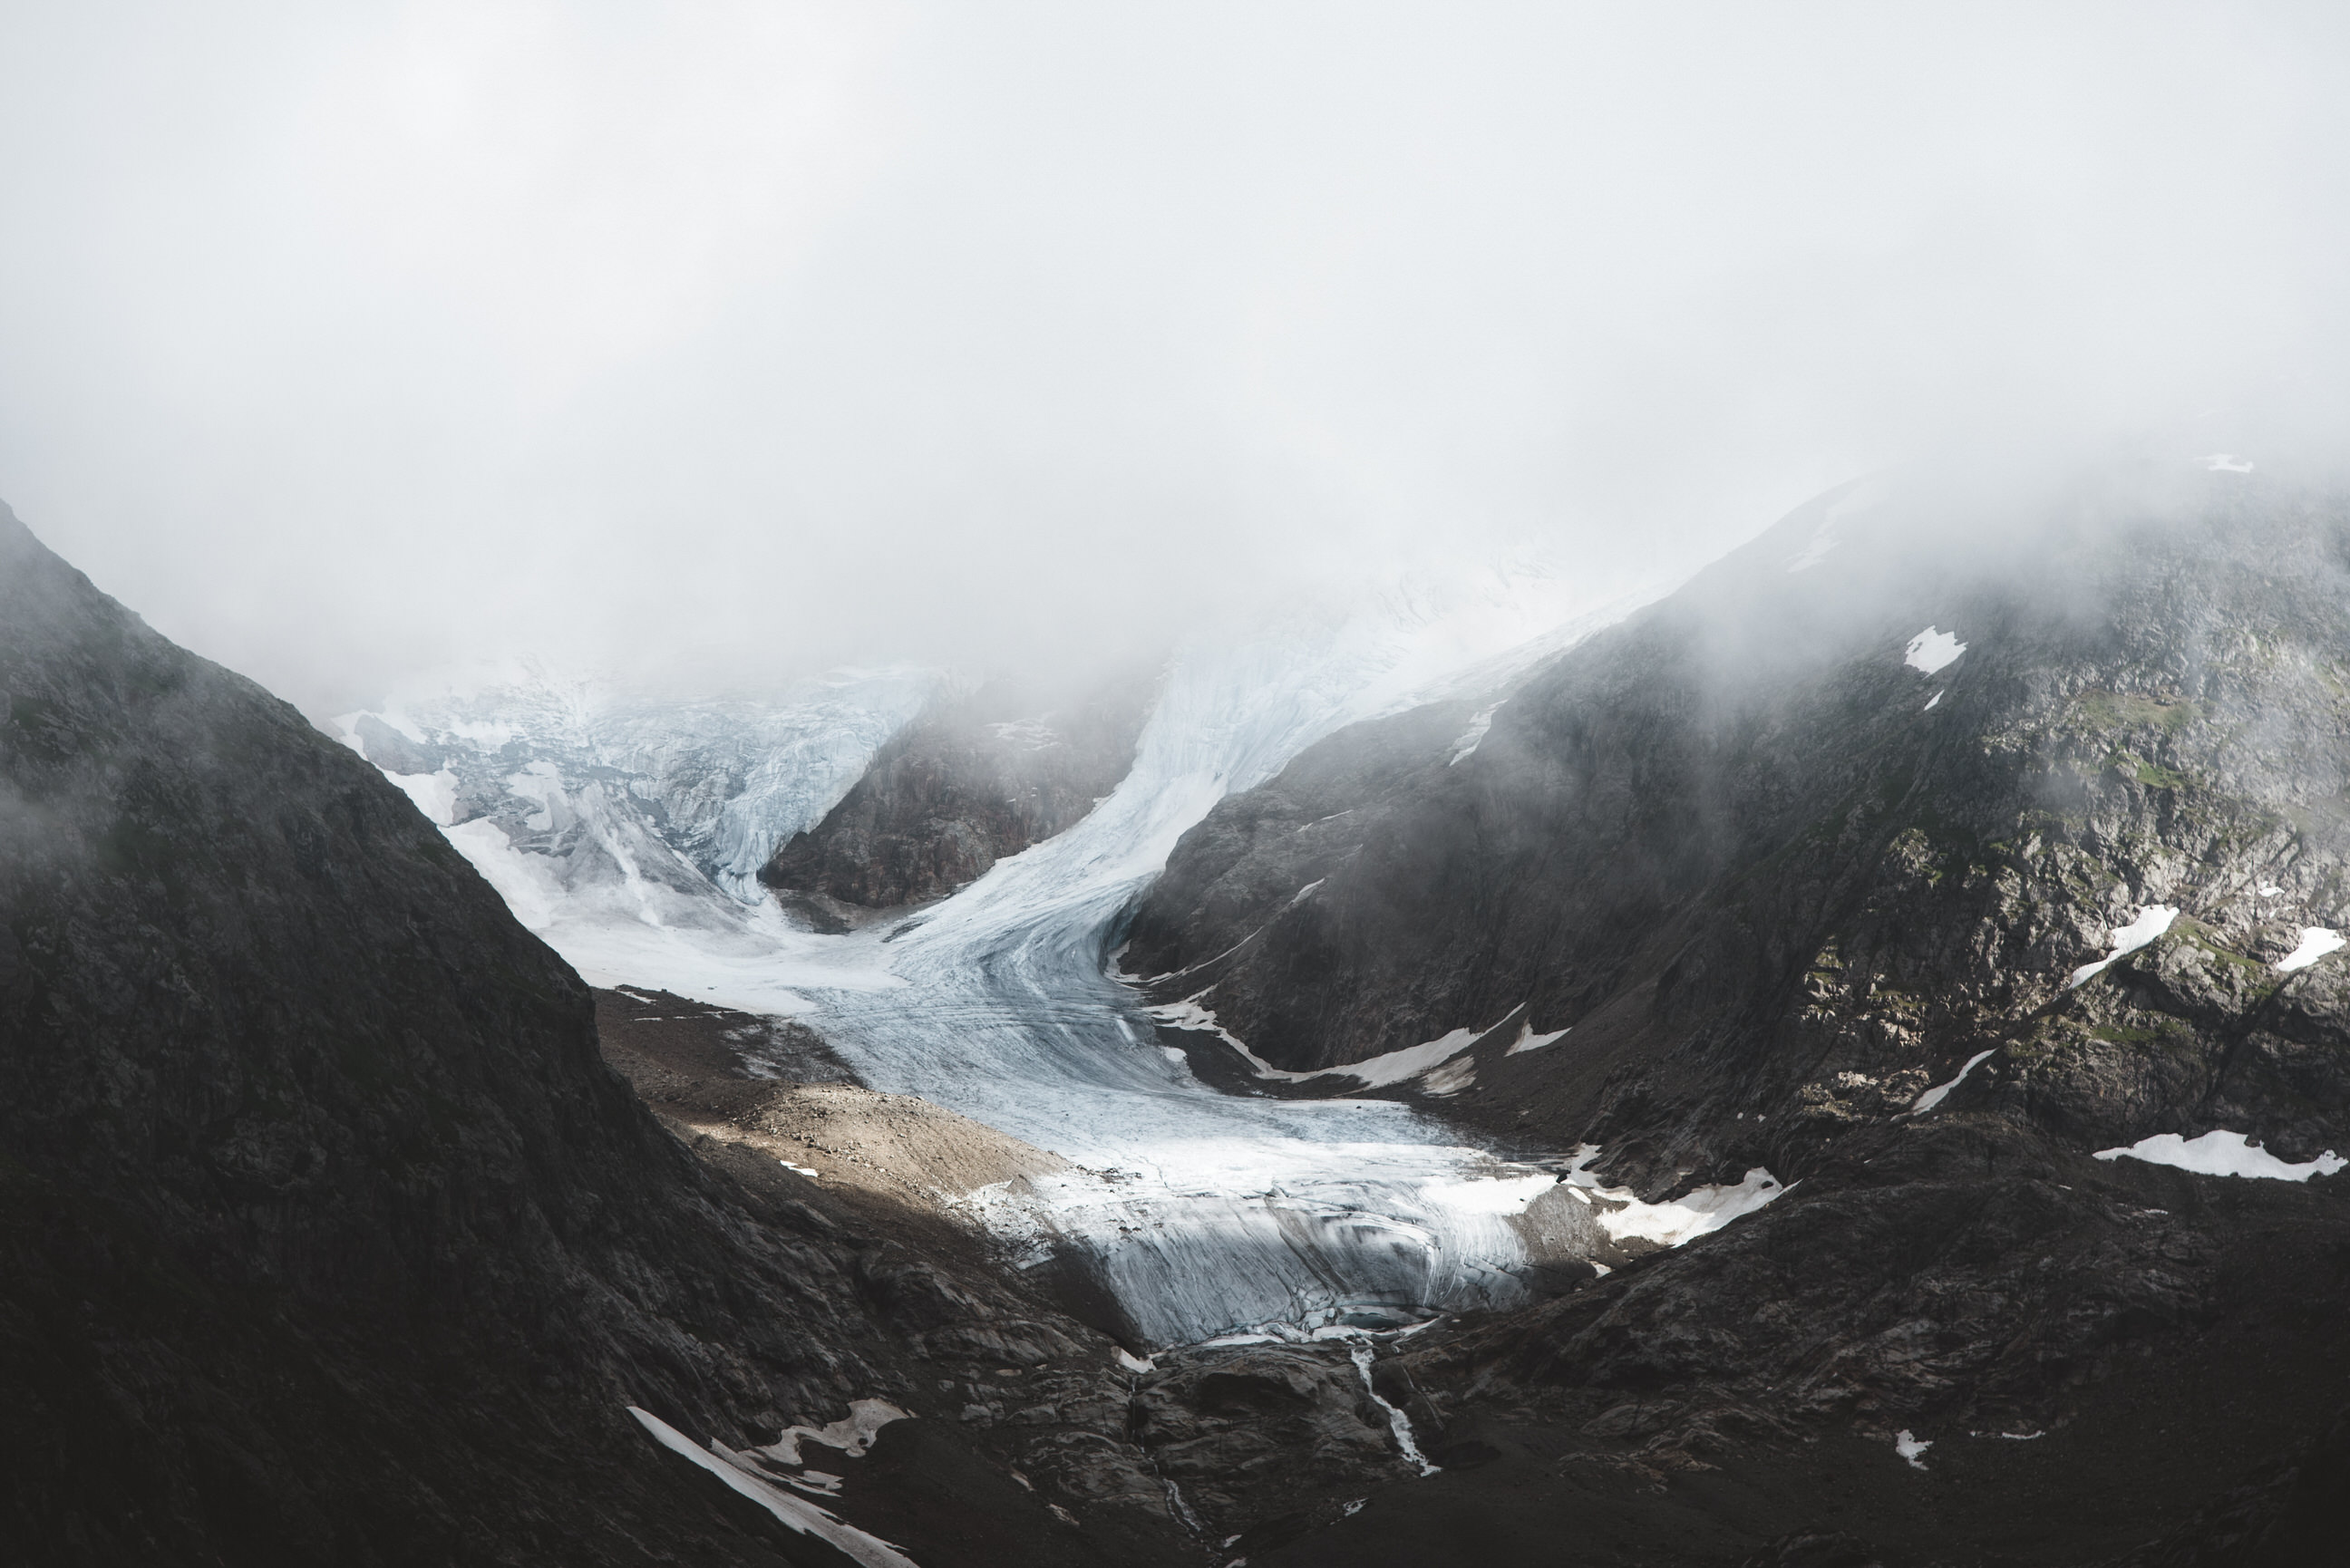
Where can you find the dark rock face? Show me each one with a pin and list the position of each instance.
(1760, 864)
(1232, 912)
(974, 780)
(1248, 1432)
(1775, 880)
(326, 1236)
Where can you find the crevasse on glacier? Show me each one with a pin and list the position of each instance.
(626, 833)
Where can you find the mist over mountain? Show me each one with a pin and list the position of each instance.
(1716, 1079)
(1375, 784)
(743, 340)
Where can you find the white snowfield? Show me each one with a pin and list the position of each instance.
(1479, 723)
(740, 1473)
(2218, 1153)
(1372, 1073)
(1931, 650)
(1528, 1040)
(1698, 1212)
(1431, 1061)
(2317, 941)
(2152, 921)
(1200, 1211)
(1929, 1099)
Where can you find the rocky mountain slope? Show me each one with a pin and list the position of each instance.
(331, 1236)
(1762, 863)
(328, 1236)
(977, 777)
(1848, 817)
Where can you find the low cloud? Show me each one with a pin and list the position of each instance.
(738, 339)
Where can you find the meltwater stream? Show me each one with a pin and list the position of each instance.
(1200, 1212)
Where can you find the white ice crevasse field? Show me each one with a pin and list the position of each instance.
(628, 836)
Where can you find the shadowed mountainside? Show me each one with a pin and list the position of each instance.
(327, 1234)
(1772, 878)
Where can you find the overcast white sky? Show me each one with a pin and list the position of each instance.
(341, 340)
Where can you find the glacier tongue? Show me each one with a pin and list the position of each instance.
(1198, 1212)
(629, 835)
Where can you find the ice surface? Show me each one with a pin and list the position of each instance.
(1930, 651)
(1929, 1099)
(796, 1513)
(1200, 1212)
(2152, 921)
(1912, 1449)
(2218, 1153)
(2317, 941)
(2268, 890)
(2225, 462)
(1929, 708)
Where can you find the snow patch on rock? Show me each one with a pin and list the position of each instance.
(1930, 651)
(1528, 1040)
(852, 1434)
(2317, 941)
(743, 1476)
(2218, 1153)
(2152, 921)
(1698, 1212)
(1478, 724)
(1929, 1099)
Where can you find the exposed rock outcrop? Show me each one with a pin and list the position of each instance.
(976, 778)
(1760, 862)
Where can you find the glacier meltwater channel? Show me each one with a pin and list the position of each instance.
(1200, 1212)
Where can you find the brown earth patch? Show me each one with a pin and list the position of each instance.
(775, 1087)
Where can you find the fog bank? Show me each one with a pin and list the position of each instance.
(737, 339)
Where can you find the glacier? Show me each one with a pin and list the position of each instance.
(627, 833)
